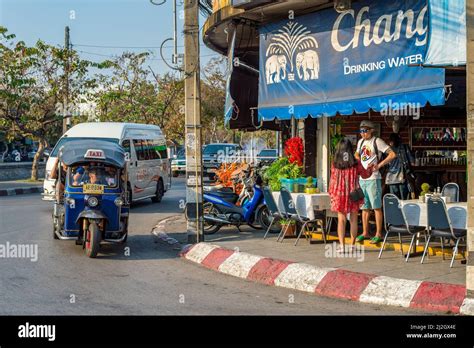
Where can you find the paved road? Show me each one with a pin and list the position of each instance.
(152, 280)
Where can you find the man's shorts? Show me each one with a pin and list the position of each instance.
(372, 192)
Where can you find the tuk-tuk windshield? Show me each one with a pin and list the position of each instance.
(93, 174)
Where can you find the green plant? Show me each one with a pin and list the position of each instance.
(336, 133)
(281, 169)
(287, 222)
(425, 188)
(309, 182)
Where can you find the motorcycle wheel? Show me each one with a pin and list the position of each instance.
(211, 209)
(92, 242)
(264, 218)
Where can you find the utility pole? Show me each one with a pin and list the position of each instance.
(470, 148)
(65, 109)
(193, 123)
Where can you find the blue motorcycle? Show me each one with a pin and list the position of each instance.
(219, 211)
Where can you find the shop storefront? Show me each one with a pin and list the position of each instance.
(401, 64)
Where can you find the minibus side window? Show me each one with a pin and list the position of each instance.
(159, 149)
(146, 150)
(164, 154)
(152, 146)
(139, 149)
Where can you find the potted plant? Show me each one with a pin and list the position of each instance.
(425, 189)
(290, 226)
(309, 188)
(281, 169)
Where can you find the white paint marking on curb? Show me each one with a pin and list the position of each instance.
(390, 291)
(467, 307)
(301, 276)
(239, 264)
(199, 252)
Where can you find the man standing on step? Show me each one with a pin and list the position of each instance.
(370, 150)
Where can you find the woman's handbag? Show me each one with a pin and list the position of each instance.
(356, 195)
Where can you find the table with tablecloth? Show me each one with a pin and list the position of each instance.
(419, 217)
(306, 203)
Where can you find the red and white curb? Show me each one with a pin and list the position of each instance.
(337, 283)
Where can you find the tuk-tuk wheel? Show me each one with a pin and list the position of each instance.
(92, 242)
(55, 236)
(55, 227)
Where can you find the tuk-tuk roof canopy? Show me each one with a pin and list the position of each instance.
(101, 151)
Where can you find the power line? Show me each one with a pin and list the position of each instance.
(130, 47)
(154, 59)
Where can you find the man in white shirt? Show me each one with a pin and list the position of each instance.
(369, 152)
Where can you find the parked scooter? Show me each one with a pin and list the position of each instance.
(219, 212)
(228, 194)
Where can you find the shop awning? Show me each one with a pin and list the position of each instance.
(326, 63)
(447, 36)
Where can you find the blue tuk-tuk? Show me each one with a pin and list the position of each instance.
(93, 206)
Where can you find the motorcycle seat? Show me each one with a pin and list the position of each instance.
(228, 196)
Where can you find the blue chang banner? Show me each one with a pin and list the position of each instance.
(365, 58)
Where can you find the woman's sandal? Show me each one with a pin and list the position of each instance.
(361, 238)
(375, 240)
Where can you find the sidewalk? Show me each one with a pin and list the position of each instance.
(389, 280)
(12, 188)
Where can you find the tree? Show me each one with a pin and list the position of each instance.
(126, 94)
(213, 93)
(32, 89)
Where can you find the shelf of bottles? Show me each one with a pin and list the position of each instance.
(444, 158)
(438, 137)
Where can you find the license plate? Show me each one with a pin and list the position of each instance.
(93, 189)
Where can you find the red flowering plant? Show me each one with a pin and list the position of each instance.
(294, 150)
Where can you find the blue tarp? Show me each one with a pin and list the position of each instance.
(229, 101)
(327, 62)
(447, 37)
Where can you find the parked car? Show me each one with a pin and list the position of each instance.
(267, 157)
(214, 155)
(178, 164)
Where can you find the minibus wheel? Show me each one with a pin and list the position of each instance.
(160, 190)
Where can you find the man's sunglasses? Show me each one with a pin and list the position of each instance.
(363, 130)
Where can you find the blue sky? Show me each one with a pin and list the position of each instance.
(131, 23)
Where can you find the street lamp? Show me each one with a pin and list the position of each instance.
(342, 5)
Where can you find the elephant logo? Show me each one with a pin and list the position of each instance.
(274, 65)
(307, 62)
(281, 51)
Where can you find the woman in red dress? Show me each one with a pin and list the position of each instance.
(345, 172)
